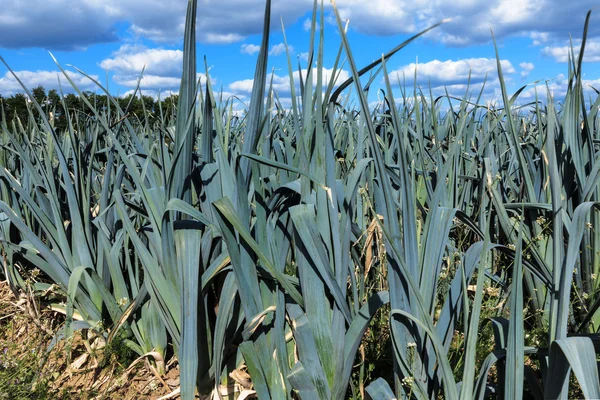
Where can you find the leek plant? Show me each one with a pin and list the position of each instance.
(254, 243)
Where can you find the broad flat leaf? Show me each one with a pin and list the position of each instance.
(379, 389)
(577, 354)
(193, 332)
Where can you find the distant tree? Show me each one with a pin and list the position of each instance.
(136, 105)
(73, 106)
(39, 94)
(100, 102)
(72, 102)
(40, 97)
(150, 105)
(169, 107)
(54, 100)
(55, 106)
(17, 106)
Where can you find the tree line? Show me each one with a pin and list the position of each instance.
(19, 106)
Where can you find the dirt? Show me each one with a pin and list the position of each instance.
(84, 368)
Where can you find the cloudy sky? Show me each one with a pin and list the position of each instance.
(113, 40)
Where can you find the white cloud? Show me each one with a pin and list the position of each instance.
(241, 18)
(249, 48)
(456, 78)
(48, 79)
(221, 38)
(223, 95)
(471, 20)
(131, 60)
(155, 82)
(526, 68)
(279, 49)
(163, 67)
(303, 56)
(440, 73)
(152, 93)
(244, 86)
(281, 84)
(33, 23)
(148, 81)
(490, 91)
(539, 38)
(557, 88)
(57, 24)
(380, 17)
(562, 53)
(306, 25)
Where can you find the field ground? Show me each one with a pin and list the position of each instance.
(26, 330)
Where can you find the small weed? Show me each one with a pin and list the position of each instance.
(117, 352)
(19, 366)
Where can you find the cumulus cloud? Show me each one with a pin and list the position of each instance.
(132, 59)
(35, 23)
(162, 71)
(490, 91)
(303, 56)
(154, 82)
(281, 84)
(446, 73)
(542, 20)
(148, 81)
(224, 95)
(539, 38)
(562, 53)
(221, 38)
(526, 68)
(308, 23)
(249, 48)
(245, 17)
(32, 23)
(450, 76)
(279, 49)
(152, 93)
(557, 89)
(380, 17)
(243, 86)
(48, 79)
(470, 20)
(472, 75)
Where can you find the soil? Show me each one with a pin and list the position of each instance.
(88, 370)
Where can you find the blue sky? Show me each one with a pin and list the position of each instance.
(113, 39)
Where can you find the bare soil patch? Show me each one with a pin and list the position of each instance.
(83, 368)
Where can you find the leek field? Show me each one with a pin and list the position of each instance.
(427, 248)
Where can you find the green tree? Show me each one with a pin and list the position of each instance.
(55, 106)
(17, 106)
(136, 105)
(169, 107)
(39, 94)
